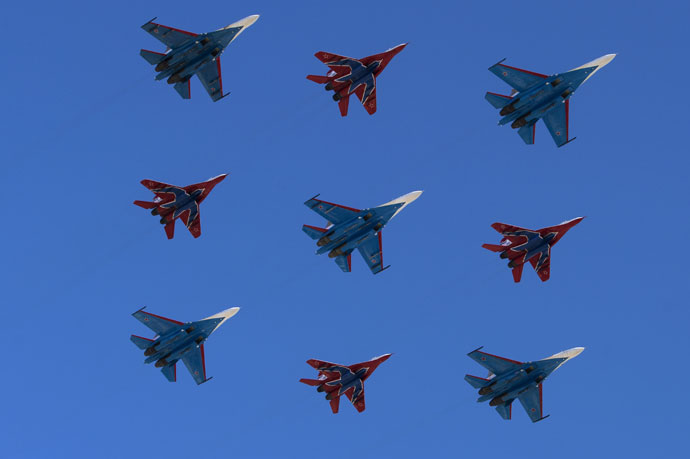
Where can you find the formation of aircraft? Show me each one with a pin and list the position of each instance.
(176, 340)
(173, 202)
(520, 245)
(192, 54)
(349, 229)
(537, 96)
(354, 76)
(509, 380)
(337, 380)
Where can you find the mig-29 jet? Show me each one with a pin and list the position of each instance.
(173, 202)
(520, 245)
(358, 76)
(510, 379)
(192, 54)
(351, 229)
(337, 380)
(536, 96)
(176, 340)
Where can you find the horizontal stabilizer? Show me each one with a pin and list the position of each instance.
(142, 343)
(151, 57)
(494, 247)
(311, 382)
(476, 381)
(313, 231)
(146, 204)
(497, 100)
(319, 79)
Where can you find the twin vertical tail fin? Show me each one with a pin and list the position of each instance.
(142, 343)
(146, 204)
(494, 247)
(311, 382)
(314, 232)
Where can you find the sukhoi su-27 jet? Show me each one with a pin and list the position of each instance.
(536, 96)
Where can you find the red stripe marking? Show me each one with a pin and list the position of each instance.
(164, 318)
(510, 411)
(479, 377)
(380, 250)
(220, 79)
(175, 372)
(499, 95)
(349, 262)
(525, 71)
(338, 205)
(502, 358)
(316, 228)
(534, 130)
(141, 337)
(203, 360)
(541, 405)
(567, 118)
(189, 88)
(176, 30)
(154, 52)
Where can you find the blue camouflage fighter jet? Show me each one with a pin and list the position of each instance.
(349, 229)
(176, 340)
(536, 96)
(510, 379)
(192, 54)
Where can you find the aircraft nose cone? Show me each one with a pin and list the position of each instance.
(384, 357)
(246, 22)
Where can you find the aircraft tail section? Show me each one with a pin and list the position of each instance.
(497, 100)
(476, 381)
(494, 247)
(311, 382)
(151, 57)
(142, 343)
(505, 410)
(146, 204)
(314, 232)
(170, 372)
(319, 79)
(517, 273)
(527, 133)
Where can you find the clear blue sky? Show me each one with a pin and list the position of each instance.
(83, 122)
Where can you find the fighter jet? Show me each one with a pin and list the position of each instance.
(175, 340)
(510, 379)
(192, 54)
(357, 76)
(536, 96)
(351, 229)
(337, 380)
(173, 202)
(520, 245)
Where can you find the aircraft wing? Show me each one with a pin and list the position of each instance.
(543, 271)
(357, 399)
(493, 363)
(515, 77)
(159, 324)
(556, 121)
(367, 96)
(526, 133)
(334, 213)
(325, 57)
(196, 364)
(319, 364)
(210, 77)
(505, 228)
(170, 36)
(372, 252)
(531, 402)
(194, 226)
(170, 372)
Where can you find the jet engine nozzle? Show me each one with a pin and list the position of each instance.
(161, 363)
(331, 395)
(164, 221)
(162, 65)
(329, 86)
(336, 97)
(486, 390)
(496, 401)
(520, 122)
(320, 388)
(511, 264)
(508, 109)
(504, 255)
(335, 252)
(150, 351)
(323, 241)
(154, 212)
(176, 78)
